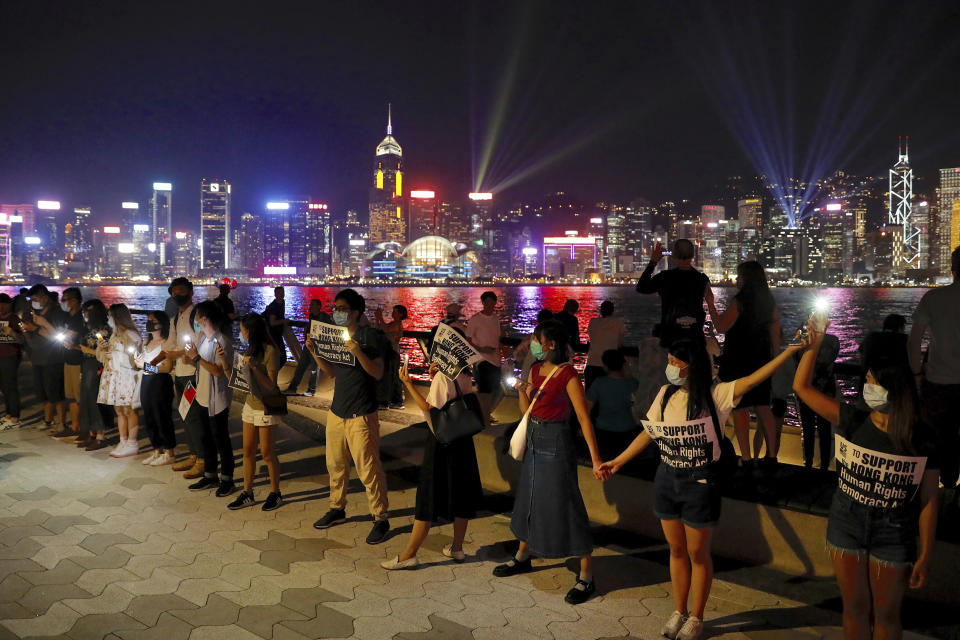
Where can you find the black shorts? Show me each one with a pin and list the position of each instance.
(48, 382)
(886, 535)
(691, 497)
(488, 377)
(779, 407)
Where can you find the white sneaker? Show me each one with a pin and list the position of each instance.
(118, 448)
(459, 556)
(149, 459)
(691, 629)
(672, 626)
(163, 459)
(131, 448)
(395, 563)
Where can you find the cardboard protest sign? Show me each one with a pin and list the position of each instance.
(238, 377)
(328, 340)
(5, 337)
(877, 479)
(452, 352)
(685, 445)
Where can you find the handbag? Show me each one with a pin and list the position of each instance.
(274, 403)
(458, 418)
(518, 441)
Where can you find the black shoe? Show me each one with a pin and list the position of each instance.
(379, 532)
(332, 517)
(274, 501)
(290, 392)
(245, 499)
(204, 483)
(581, 592)
(512, 568)
(63, 434)
(226, 488)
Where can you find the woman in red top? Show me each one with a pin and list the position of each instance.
(549, 517)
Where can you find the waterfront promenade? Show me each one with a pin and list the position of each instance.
(95, 547)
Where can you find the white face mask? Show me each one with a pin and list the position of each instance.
(65, 306)
(875, 396)
(111, 323)
(36, 305)
(673, 375)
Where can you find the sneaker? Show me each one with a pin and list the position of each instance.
(309, 393)
(332, 517)
(397, 405)
(581, 592)
(273, 501)
(448, 551)
(120, 445)
(164, 458)
(512, 568)
(149, 459)
(96, 445)
(672, 626)
(226, 488)
(63, 434)
(395, 563)
(245, 499)
(379, 532)
(128, 450)
(691, 629)
(185, 465)
(204, 483)
(43, 426)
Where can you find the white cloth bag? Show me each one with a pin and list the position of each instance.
(518, 441)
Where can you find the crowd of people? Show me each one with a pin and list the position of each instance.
(92, 365)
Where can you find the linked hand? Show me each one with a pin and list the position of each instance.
(657, 252)
(609, 468)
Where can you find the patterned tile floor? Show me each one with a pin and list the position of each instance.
(93, 547)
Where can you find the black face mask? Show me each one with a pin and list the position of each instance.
(182, 300)
(151, 326)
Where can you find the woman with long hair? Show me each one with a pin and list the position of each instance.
(876, 518)
(118, 383)
(549, 518)
(686, 492)
(262, 360)
(156, 391)
(752, 327)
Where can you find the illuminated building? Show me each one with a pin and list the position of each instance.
(251, 243)
(480, 212)
(185, 254)
(569, 256)
(387, 221)
(161, 208)
(636, 228)
(276, 234)
(455, 222)
(597, 229)
(14, 226)
(297, 237)
(921, 219)
(832, 239)
(214, 227)
(731, 248)
(318, 234)
(436, 258)
(750, 213)
(423, 214)
(78, 243)
(899, 209)
(108, 259)
(948, 195)
(711, 248)
(46, 241)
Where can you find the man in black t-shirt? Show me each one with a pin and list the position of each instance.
(306, 362)
(46, 353)
(275, 316)
(71, 331)
(225, 303)
(353, 426)
(682, 291)
(568, 318)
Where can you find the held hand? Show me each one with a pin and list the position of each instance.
(404, 375)
(245, 360)
(27, 326)
(101, 343)
(352, 346)
(610, 468)
(138, 360)
(189, 351)
(919, 575)
(657, 253)
(434, 367)
(598, 471)
(221, 355)
(41, 321)
(309, 344)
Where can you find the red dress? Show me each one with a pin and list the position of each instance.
(554, 404)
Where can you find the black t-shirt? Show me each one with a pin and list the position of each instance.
(571, 324)
(275, 308)
(681, 302)
(354, 390)
(226, 305)
(73, 323)
(48, 351)
(883, 344)
(872, 469)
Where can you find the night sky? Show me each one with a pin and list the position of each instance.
(604, 100)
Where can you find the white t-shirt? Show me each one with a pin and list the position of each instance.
(676, 409)
(183, 327)
(484, 331)
(604, 334)
(688, 444)
(442, 390)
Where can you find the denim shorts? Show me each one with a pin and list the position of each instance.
(689, 496)
(886, 535)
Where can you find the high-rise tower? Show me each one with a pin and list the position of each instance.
(387, 219)
(214, 226)
(161, 206)
(899, 210)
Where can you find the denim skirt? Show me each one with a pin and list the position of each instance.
(549, 514)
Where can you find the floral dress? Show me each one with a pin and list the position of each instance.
(118, 382)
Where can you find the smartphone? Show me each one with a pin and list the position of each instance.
(406, 362)
(666, 253)
(804, 336)
(151, 368)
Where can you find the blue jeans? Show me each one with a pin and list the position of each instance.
(887, 535)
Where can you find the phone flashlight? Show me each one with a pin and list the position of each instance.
(186, 339)
(511, 381)
(346, 335)
(131, 350)
(60, 337)
(99, 336)
(821, 305)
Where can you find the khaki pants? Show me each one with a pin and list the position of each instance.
(361, 438)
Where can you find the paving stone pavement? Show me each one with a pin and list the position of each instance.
(94, 547)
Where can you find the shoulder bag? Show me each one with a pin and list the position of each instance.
(518, 441)
(459, 418)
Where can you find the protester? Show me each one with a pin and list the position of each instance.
(939, 376)
(568, 318)
(891, 339)
(275, 315)
(262, 361)
(170, 306)
(812, 425)
(449, 487)
(484, 332)
(72, 329)
(682, 290)
(182, 334)
(522, 352)
(118, 382)
(686, 492)
(11, 354)
(225, 303)
(353, 426)
(21, 303)
(92, 420)
(549, 518)
(610, 402)
(156, 391)
(391, 393)
(211, 353)
(871, 531)
(752, 327)
(605, 332)
(306, 363)
(46, 355)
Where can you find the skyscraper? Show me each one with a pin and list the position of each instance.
(424, 218)
(78, 242)
(214, 226)
(161, 208)
(387, 223)
(948, 205)
(251, 243)
(899, 209)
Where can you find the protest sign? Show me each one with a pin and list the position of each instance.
(452, 352)
(4, 336)
(877, 479)
(685, 445)
(238, 377)
(328, 341)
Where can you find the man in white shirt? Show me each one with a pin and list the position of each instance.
(484, 333)
(182, 331)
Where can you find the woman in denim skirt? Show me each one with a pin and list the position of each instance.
(549, 517)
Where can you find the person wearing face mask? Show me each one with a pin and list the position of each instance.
(211, 353)
(353, 426)
(182, 334)
(46, 355)
(549, 517)
(118, 383)
(888, 476)
(11, 353)
(70, 332)
(686, 492)
(93, 416)
(156, 391)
